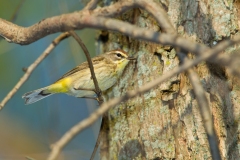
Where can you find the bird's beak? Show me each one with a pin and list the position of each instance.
(131, 58)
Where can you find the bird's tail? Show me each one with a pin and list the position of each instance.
(36, 95)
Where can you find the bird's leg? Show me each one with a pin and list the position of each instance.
(85, 89)
(98, 93)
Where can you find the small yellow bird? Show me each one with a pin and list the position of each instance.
(77, 82)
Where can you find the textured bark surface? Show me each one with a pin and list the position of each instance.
(165, 123)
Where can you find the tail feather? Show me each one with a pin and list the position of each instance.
(36, 95)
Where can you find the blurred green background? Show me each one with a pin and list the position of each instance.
(28, 131)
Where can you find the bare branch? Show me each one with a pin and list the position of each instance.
(205, 111)
(13, 17)
(97, 89)
(65, 22)
(97, 143)
(105, 23)
(79, 20)
(101, 136)
(207, 54)
(90, 64)
(31, 68)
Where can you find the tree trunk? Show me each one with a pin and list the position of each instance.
(165, 123)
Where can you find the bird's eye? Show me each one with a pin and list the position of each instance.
(119, 55)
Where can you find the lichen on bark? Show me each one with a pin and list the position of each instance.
(165, 123)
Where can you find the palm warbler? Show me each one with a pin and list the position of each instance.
(77, 82)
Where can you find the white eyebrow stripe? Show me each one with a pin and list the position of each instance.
(124, 55)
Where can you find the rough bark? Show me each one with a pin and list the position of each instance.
(165, 123)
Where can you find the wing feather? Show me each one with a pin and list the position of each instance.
(84, 65)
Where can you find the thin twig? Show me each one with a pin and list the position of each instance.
(90, 64)
(97, 142)
(97, 89)
(31, 68)
(205, 113)
(68, 136)
(91, 5)
(100, 135)
(14, 16)
(204, 109)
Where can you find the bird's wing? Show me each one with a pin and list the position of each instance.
(82, 66)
